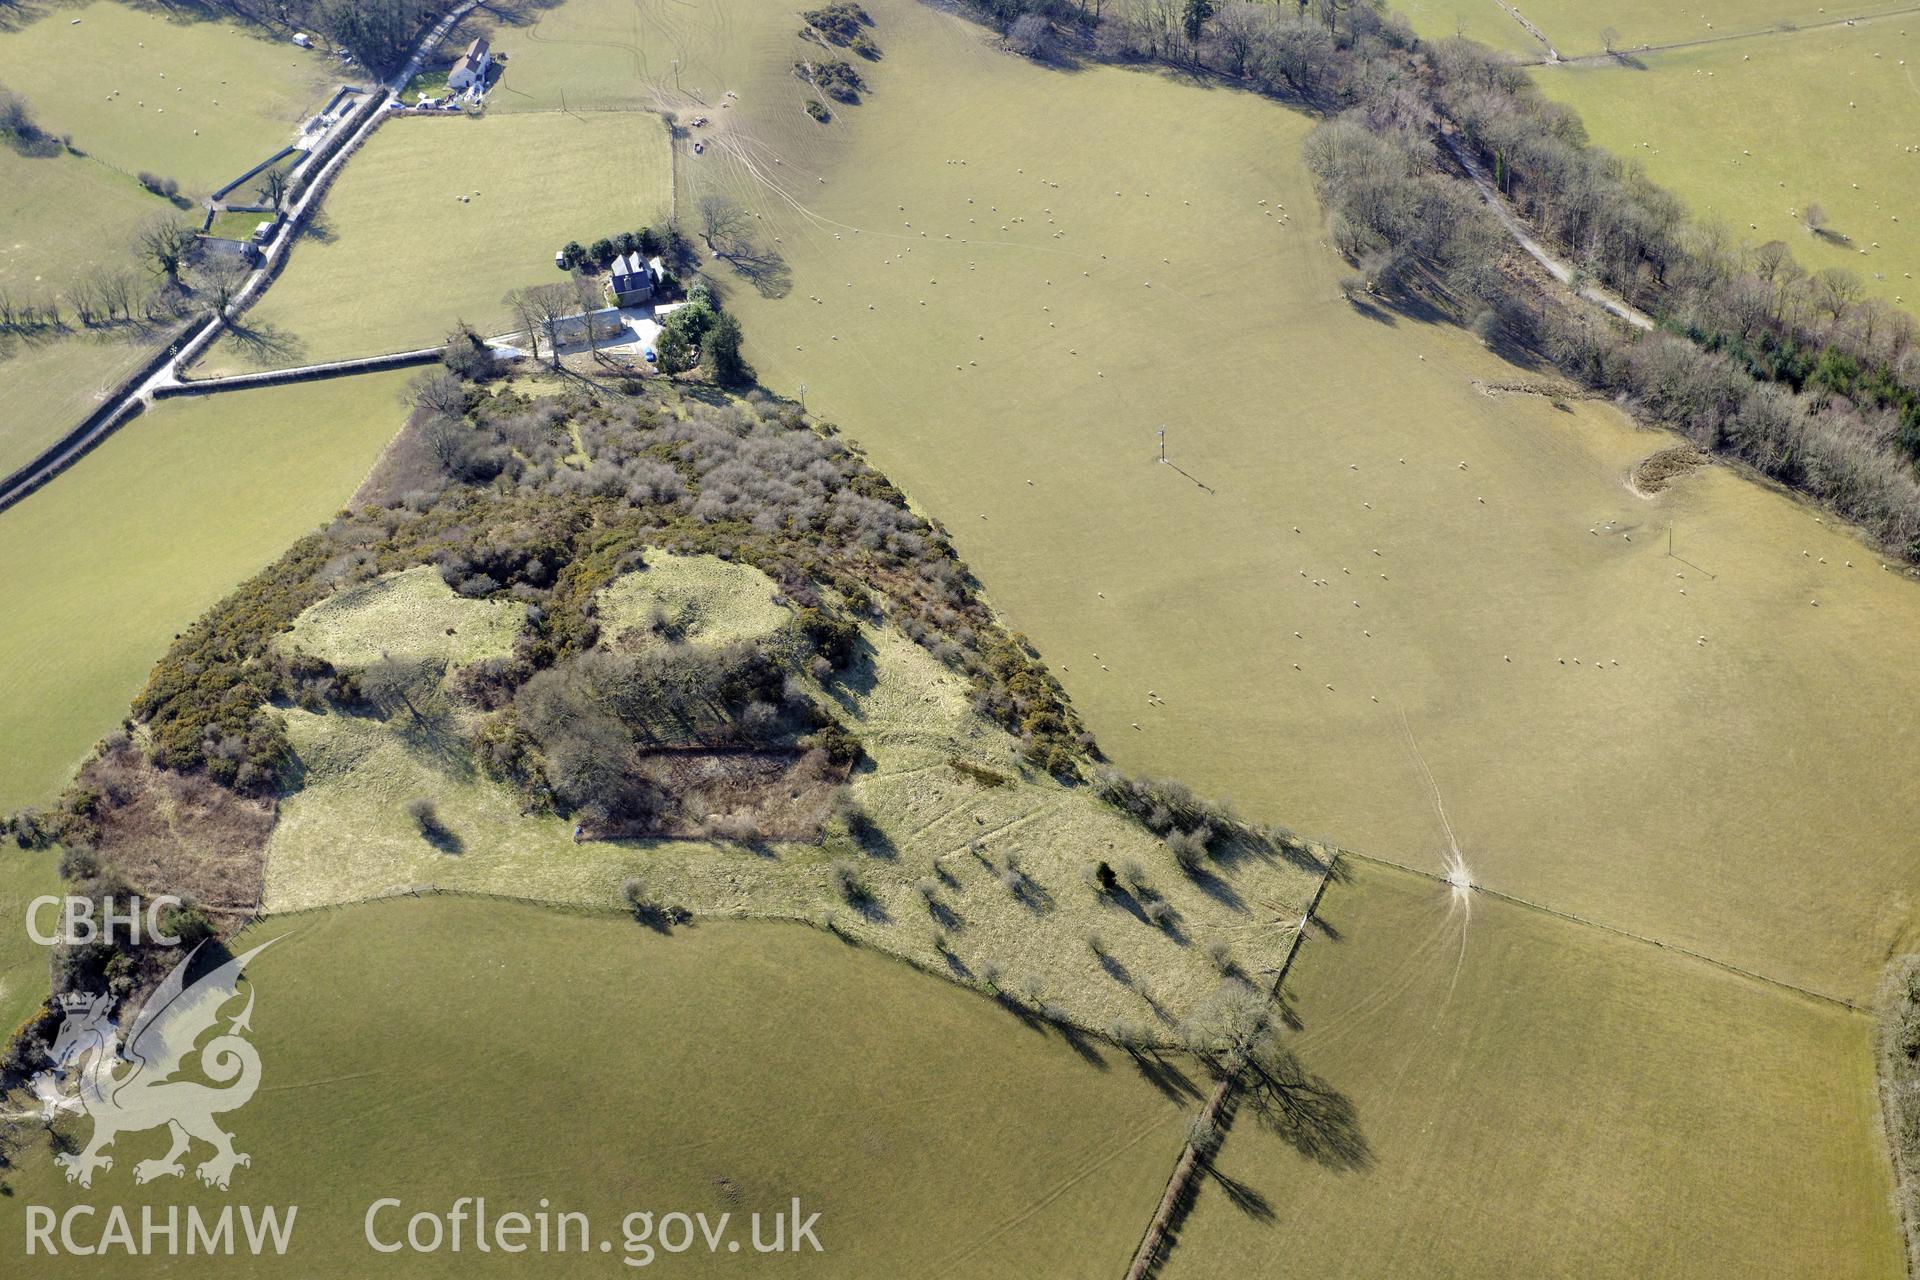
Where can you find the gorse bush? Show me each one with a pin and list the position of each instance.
(840, 23)
(844, 878)
(747, 480)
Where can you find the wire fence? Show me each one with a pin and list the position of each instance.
(1192, 1158)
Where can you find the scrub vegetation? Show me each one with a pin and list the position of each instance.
(689, 652)
(1302, 476)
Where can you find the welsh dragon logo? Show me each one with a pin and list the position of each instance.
(136, 1086)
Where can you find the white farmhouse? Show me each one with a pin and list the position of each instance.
(472, 68)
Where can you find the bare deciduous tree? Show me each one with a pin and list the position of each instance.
(447, 439)
(438, 392)
(163, 242)
(540, 309)
(222, 280)
(721, 222)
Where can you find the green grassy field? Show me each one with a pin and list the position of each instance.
(619, 55)
(1481, 20)
(438, 1048)
(60, 218)
(200, 102)
(1011, 372)
(62, 215)
(346, 833)
(128, 547)
(50, 385)
(1577, 30)
(1749, 132)
(403, 258)
(24, 876)
(236, 224)
(1531, 1097)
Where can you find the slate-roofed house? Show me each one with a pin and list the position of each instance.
(472, 67)
(632, 280)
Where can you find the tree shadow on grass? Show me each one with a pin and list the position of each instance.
(662, 920)
(319, 228)
(1388, 308)
(1307, 1113)
(1218, 889)
(1119, 896)
(1082, 1044)
(267, 345)
(1164, 1075)
(853, 680)
(443, 838)
(873, 841)
(1031, 894)
(1028, 1018)
(764, 269)
(1243, 1196)
(1363, 305)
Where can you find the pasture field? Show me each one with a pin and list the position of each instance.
(235, 224)
(49, 385)
(120, 553)
(1480, 608)
(435, 1048)
(198, 101)
(62, 215)
(1482, 20)
(1749, 132)
(1578, 30)
(24, 876)
(401, 257)
(346, 833)
(620, 55)
(1496, 1092)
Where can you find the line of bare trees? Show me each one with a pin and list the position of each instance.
(177, 277)
(1796, 372)
(543, 310)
